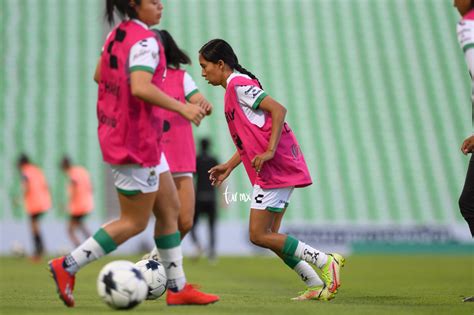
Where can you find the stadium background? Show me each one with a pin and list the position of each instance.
(377, 93)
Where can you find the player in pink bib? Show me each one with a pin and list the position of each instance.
(130, 76)
(178, 140)
(274, 163)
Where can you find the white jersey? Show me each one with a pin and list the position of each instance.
(465, 30)
(250, 97)
(189, 86)
(144, 55)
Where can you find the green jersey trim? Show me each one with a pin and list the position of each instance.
(259, 100)
(142, 68)
(468, 46)
(273, 209)
(191, 94)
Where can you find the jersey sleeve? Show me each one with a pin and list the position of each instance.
(144, 55)
(189, 86)
(250, 95)
(465, 31)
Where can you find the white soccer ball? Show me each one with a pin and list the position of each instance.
(121, 285)
(155, 276)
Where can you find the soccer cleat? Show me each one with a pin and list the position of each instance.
(189, 295)
(64, 280)
(330, 272)
(320, 292)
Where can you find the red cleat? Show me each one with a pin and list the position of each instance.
(190, 296)
(63, 279)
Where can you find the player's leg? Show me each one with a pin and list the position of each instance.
(274, 201)
(37, 239)
(315, 286)
(71, 230)
(185, 187)
(168, 243)
(137, 188)
(466, 201)
(212, 218)
(193, 233)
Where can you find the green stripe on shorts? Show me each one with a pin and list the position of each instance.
(273, 209)
(128, 192)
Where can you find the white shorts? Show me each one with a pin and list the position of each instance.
(275, 199)
(182, 174)
(133, 179)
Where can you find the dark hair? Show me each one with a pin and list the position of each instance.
(23, 159)
(123, 7)
(205, 143)
(218, 49)
(174, 55)
(65, 162)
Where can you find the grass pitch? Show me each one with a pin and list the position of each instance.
(398, 284)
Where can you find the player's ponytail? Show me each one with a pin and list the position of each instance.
(241, 69)
(125, 8)
(219, 49)
(174, 55)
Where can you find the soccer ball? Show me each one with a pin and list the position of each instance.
(155, 276)
(121, 285)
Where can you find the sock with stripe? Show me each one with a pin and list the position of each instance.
(303, 251)
(169, 249)
(304, 270)
(100, 244)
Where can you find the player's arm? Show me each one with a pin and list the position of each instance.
(142, 87)
(193, 95)
(219, 173)
(199, 99)
(278, 113)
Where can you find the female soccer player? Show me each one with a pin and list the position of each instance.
(177, 140)
(465, 31)
(81, 199)
(129, 74)
(274, 163)
(36, 197)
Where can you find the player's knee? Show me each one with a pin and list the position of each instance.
(136, 226)
(258, 239)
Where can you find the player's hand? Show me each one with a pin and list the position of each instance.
(193, 113)
(468, 145)
(219, 173)
(258, 160)
(204, 104)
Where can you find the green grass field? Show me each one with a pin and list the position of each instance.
(398, 284)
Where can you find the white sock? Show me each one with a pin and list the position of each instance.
(307, 274)
(87, 252)
(311, 255)
(172, 259)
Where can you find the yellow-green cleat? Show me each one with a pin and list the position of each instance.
(330, 272)
(320, 293)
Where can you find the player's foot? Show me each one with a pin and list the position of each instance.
(64, 280)
(152, 255)
(189, 295)
(315, 293)
(330, 272)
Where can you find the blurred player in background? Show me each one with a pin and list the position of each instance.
(465, 30)
(130, 73)
(206, 199)
(37, 199)
(81, 199)
(274, 163)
